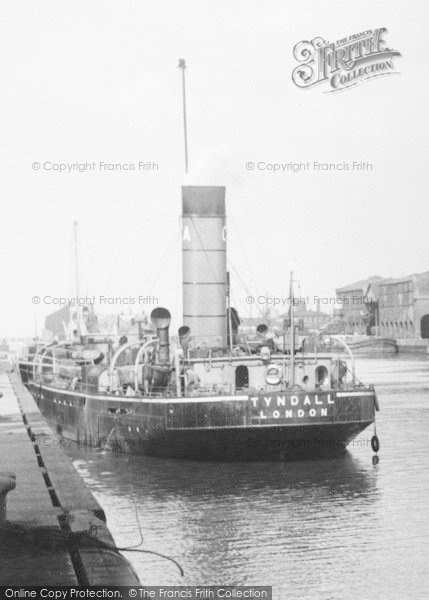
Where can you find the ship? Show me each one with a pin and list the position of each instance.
(205, 391)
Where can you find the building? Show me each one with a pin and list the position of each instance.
(305, 319)
(358, 312)
(390, 307)
(404, 307)
(310, 320)
(60, 324)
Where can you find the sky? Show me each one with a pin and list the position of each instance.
(92, 82)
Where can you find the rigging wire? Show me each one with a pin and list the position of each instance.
(179, 267)
(160, 265)
(255, 236)
(237, 233)
(247, 290)
(118, 256)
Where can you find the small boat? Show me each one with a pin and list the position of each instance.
(369, 345)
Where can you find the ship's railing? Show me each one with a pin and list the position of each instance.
(203, 344)
(70, 381)
(66, 374)
(122, 349)
(213, 390)
(349, 352)
(51, 371)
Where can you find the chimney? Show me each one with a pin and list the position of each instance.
(204, 264)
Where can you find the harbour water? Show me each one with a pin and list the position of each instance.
(315, 529)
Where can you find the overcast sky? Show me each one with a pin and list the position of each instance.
(98, 81)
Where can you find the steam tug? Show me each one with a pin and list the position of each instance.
(208, 392)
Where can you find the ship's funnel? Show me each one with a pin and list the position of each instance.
(161, 320)
(204, 264)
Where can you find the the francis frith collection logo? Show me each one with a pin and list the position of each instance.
(344, 63)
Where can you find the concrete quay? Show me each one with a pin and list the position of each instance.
(52, 530)
(412, 346)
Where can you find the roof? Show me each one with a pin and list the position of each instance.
(417, 277)
(393, 280)
(420, 283)
(374, 286)
(360, 285)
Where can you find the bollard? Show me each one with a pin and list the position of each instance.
(7, 483)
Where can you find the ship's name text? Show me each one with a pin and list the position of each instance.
(270, 407)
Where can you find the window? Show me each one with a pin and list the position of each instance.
(241, 376)
(322, 375)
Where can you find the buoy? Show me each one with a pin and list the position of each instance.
(375, 459)
(375, 443)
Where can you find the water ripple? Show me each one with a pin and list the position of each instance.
(338, 528)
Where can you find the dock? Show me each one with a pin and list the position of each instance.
(52, 529)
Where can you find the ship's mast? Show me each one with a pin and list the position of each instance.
(36, 329)
(76, 256)
(182, 65)
(228, 292)
(292, 331)
(76, 272)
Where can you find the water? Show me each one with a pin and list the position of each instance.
(338, 528)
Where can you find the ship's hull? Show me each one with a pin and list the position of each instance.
(262, 427)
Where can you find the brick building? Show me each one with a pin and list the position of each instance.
(390, 307)
(358, 312)
(404, 307)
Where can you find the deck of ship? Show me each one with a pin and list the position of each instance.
(55, 531)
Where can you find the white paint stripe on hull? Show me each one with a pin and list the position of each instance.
(353, 394)
(141, 399)
(187, 400)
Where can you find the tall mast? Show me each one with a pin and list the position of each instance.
(228, 292)
(76, 256)
(182, 65)
(292, 332)
(76, 272)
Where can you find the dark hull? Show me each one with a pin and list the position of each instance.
(200, 429)
(274, 443)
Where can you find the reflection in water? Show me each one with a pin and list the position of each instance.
(331, 528)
